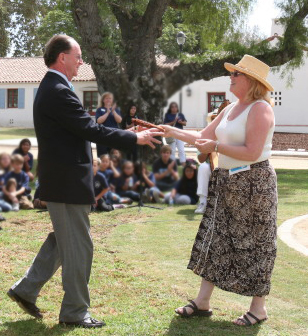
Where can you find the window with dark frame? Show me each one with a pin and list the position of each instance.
(12, 98)
(214, 100)
(277, 97)
(90, 101)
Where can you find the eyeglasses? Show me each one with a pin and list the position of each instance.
(236, 74)
(78, 57)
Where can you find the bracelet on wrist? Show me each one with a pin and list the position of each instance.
(216, 147)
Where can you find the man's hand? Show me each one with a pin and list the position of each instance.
(146, 137)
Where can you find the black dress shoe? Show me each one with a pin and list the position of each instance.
(86, 323)
(28, 307)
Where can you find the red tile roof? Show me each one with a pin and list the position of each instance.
(165, 63)
(33, 69)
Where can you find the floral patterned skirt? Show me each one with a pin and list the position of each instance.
(235, 247)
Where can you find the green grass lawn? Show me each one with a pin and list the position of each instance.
(139, 274)
(16, 133)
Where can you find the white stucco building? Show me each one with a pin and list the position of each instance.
(290, 107)
(20, 78)
(19, 81)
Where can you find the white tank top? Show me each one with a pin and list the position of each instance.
(233, 132)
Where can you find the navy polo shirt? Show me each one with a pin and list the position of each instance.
(22, 180)
(169, 117)
(100, 183)
(110, 121)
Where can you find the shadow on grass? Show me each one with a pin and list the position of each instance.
(189, 214)
(205, 326)
(32, 327)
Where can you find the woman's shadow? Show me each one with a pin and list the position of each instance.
(32, 327)
(207, 326)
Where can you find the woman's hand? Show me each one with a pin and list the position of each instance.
(205, 146)
(168, 131)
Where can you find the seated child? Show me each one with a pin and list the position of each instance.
(23, 150)
(11, 188)
(106, 167)
(23, 190)
(185, 190)
(127, 184)
(5, 167)
(111, 174)
(150, 192)
(165, 170)
(37, 203)
(100, 189)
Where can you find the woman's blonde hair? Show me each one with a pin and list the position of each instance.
(103, 96)
(257, 91)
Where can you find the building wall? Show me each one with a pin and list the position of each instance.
(291, 109)
(23, 115)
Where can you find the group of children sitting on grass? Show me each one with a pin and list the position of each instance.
(117, 182)
(117, 185)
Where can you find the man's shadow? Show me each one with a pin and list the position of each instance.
(32, 327)
(195, 326)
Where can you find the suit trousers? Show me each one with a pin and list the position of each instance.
(70, 245)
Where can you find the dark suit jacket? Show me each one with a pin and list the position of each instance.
(64, 131)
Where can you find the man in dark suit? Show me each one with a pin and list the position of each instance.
(64, 131)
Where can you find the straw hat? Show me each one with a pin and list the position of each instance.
(253, 67)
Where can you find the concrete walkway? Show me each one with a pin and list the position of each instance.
(293, 232)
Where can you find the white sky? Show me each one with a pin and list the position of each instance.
(262, 14)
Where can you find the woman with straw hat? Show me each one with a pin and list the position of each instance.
(235, 247)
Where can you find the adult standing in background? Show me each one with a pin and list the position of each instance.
(235, 247)
(108, 115)
(64, 132)
(175, 118)
(127, 123)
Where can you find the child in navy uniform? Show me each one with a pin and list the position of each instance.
(127, 184)
(23, 150)
(22, 184)
(185, 190)
(150, 192)
(165, 170)
(100, 190)
(5, 167)
(111, 174)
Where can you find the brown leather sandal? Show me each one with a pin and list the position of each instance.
(196, 311)
(247, 322)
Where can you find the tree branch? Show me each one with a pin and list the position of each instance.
(185, 74)
(293, 26)
(153, 15)
(91, 29)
